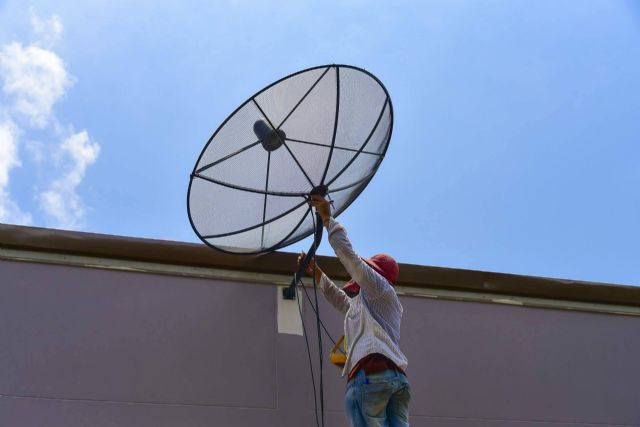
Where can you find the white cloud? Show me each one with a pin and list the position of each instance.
(9, 210)
(11, 213)
(35, 79)
(47, 31)
(8, 151)
(61, 201)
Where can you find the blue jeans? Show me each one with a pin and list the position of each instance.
(380, 399)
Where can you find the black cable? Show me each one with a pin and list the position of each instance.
(314, 285)
(313, 381)
(314, 309)
(317, 310)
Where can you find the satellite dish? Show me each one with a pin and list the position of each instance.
(323, 130)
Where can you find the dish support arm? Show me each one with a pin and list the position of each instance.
(290, 292)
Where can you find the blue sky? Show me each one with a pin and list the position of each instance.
(516, 144)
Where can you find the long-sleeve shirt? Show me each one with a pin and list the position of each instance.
(373, 317)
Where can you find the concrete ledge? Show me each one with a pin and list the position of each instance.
(278, 266)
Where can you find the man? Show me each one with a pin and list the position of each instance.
(377, 391)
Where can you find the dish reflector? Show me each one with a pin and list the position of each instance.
(324, 129)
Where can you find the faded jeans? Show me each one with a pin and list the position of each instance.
(380, 399)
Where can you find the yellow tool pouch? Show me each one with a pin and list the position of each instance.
(338, 354)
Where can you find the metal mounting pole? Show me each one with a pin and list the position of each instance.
(290, 292)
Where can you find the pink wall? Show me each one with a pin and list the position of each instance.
(93, 347)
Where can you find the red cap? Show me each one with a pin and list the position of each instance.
(384, 264)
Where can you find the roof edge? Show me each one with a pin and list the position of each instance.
(284, 263)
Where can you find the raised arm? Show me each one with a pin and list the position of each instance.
(371, 283)
(336, 296)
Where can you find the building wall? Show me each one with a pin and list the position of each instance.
(96, 347)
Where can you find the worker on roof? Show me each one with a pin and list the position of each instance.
(378, 392)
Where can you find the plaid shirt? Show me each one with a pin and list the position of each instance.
(373, 317)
